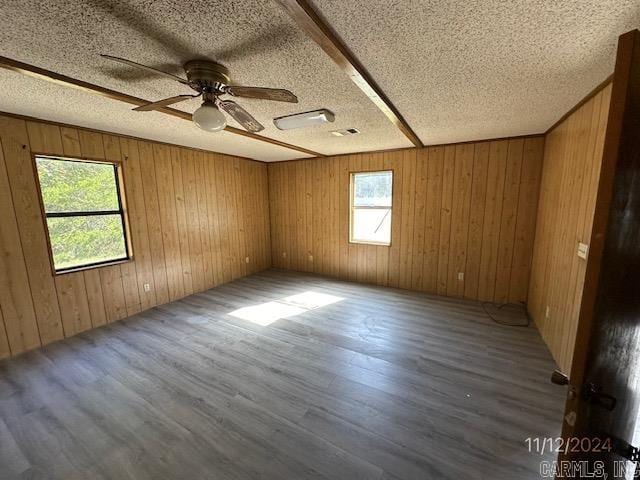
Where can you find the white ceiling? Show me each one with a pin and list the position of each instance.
(461, 70)
(456, 70)
(256, 39)
(76, 107)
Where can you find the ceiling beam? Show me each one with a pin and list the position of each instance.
(52, 77)
(322, 33)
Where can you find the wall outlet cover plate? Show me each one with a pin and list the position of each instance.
(583, 250)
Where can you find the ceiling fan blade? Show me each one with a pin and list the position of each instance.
(163, 103)
(241, 116)
(144, 67)
(276, 94)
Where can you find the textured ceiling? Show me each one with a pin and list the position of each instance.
(457, 70)
(463, 70)
(256, 39)
(76, 107)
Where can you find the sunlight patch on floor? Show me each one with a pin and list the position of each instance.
(310, 300)
(266, 313)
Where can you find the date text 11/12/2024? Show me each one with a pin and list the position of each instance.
(570, 469)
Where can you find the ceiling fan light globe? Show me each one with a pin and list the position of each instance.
(209, 118)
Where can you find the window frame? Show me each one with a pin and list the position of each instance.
(352, 207)
(122, 211)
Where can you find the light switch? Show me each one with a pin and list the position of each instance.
(583, 250)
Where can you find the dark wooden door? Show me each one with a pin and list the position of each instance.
(604, 395)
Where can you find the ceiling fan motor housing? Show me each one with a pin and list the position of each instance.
(204, 74)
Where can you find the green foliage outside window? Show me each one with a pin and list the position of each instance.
(76, 187)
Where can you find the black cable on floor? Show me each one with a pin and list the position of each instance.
(499, 306)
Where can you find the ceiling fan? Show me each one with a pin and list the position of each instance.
(211, 80)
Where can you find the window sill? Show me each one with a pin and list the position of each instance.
(373, 244)
(93, 267)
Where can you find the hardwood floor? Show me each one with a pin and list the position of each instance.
(379, 384)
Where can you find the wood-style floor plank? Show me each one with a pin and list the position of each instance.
(377, 383)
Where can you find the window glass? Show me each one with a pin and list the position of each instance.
(371, 198)
(77, 186)
(77, 241)
(372, 225)
(372, 189)
(84, 214)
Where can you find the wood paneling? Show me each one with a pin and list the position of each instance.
(572, 160)
(5, 351)
(16, 303)
(33, 243)
(459, 209)
(176, 198)
(464, 219)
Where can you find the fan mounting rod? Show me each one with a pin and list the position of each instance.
(205, 74)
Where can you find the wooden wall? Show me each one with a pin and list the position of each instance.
(572, 160)
(467, 208)
(195, 217)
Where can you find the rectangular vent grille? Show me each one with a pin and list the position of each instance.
(345, 132)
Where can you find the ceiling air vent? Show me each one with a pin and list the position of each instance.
(345, 132)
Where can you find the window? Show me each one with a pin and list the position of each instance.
(370, 220)
(84, 213)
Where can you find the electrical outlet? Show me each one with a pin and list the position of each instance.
(460, 276)
(546, 312)
(311, 258)
(147, 287)
(583, 250)
(246, 260)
